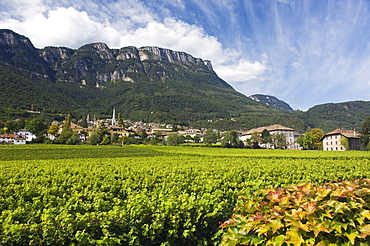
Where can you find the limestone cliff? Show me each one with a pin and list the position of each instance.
(271, 101)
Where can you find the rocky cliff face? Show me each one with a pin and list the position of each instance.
(96, 64)
(271, 101)
(53, 54)
(18, 52)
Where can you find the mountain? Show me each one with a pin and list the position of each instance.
(151, 84)
(147, 83)
(271, 101)
(331, 116)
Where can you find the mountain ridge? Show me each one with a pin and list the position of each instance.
(271, 101)
(148, 84)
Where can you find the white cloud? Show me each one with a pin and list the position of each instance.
(178, 35)
(243, 71)
(61, 27)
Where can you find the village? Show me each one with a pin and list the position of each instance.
(121, 131)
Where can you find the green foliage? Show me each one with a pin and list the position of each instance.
(330, 214)
(311, 139)
(73, 139)
(115, 138)
(278, 140)
(306, 141)
(144, 194)
(94, 138)
(175, 139)
(36, 126)
(106, 140)
(266, 137)
(97, 136)
(256, 139)
(162, 91)
(344, 141)
(365, 134)
(53, 129)
(210, 137)
(66, 134)
(230, 139)
(347, 115)
(317, 134)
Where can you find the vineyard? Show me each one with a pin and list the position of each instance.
(145, 195)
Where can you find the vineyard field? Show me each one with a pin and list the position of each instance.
(145, 195)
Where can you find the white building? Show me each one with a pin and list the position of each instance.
(12, 139)
(27, 134)
(290, 134)
(332, 140)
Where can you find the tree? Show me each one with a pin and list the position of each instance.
(210, 137)
(175, 139)
(344, 141)
(196, 139)
(158, 134)
(83, 121)
(10, 126)
(308, 140)
(143, 135)
(266, 137)
(106, 140)
(53, 129)
(65, 135)
(256, 139)
(120, 120)
(67, 121)
(36, 126)
(365, 134)
(96, 137)
(174, 128)
(115, 138)
(278, 140)
(300, 141)
(73, 140)
(317, 134)
(188, 138)
(67, 131)
(230, 139)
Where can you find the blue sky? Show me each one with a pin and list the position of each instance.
(305, 52)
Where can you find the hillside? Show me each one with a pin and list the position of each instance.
(330, 116)
(271, 101)
(148, 83)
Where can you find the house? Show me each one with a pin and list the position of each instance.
(121, 131)
(27, 134)
(192, 133)
(333, 140)
(163, 131)
(12, 139)
(290, 134)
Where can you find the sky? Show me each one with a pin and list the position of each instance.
(304, 52)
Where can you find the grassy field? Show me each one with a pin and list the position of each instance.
(144, 195)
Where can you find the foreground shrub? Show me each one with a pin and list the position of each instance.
(330, 214)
